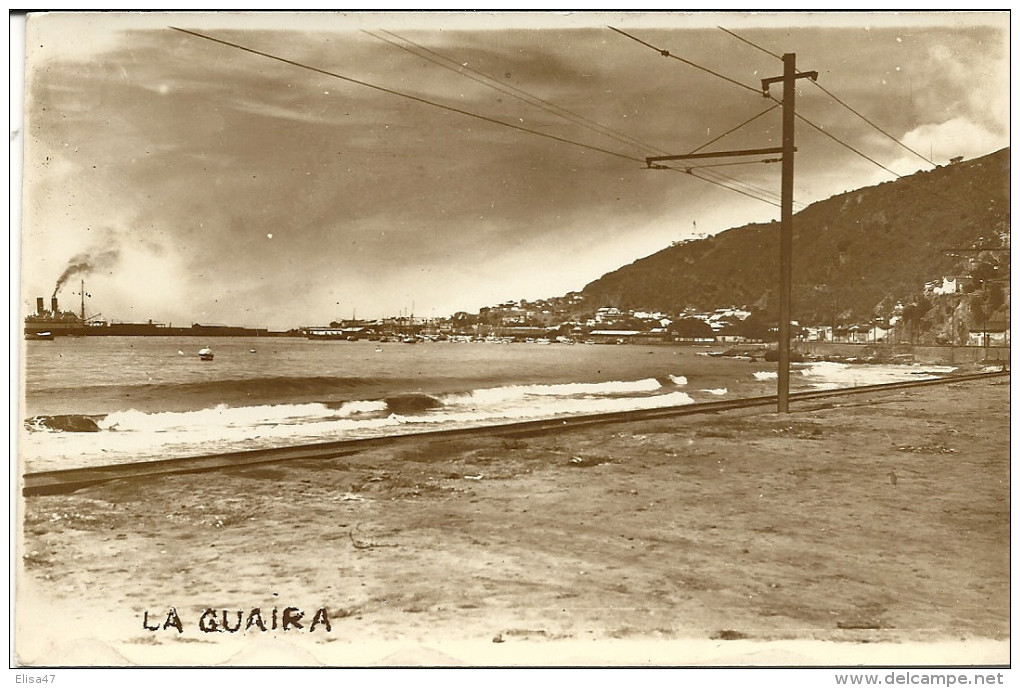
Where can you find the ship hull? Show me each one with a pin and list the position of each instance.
(140, 330)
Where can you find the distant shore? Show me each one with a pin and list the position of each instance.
(808, 537)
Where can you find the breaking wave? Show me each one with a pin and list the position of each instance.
(135, 435)
(830, 375)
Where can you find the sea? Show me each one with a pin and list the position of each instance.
(104, 400)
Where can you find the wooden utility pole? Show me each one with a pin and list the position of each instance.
(788, 80)
(790, 75)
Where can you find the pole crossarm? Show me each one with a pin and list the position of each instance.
(788, 80)
(778, 79)
(650, 161)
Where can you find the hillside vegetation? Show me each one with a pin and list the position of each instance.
(855, 255)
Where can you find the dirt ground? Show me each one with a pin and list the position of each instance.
(868, 530)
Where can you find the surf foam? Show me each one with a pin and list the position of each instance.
(135, 435)
(826, 373)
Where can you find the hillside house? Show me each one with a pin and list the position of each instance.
(947, 286)
(994, 334)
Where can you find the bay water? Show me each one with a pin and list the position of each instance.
(102, 400)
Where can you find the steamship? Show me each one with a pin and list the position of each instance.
(47, 324)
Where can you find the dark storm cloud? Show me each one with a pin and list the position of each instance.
(247, 171)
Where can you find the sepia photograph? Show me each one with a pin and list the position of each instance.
(512, 339)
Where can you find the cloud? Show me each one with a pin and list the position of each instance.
(193, 152)
(955, 137)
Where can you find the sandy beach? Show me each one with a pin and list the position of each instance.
(868, 530)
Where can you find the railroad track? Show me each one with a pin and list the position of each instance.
(70, 479)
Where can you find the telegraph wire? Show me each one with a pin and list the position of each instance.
(713, 177)
(518, 93)
(847, 145)
(711, 168)
(441, 106)
(753, 45)
(730, 164)
(720, 136)
(883, 131)
(711, 181)
(756, 91)
(837, 99)
(717, 138)
(503, 88)
(757, 189)
(639, 143)
(718, 176)
(408, 96)
(666, 53)
(842, 143)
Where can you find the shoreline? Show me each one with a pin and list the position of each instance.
(66, 480)
(89, 440)
(874, 521)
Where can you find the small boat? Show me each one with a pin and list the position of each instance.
(44, 336)
(205, 354)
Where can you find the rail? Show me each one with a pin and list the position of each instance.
(71, 479)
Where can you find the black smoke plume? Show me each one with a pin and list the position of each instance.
(84, 263)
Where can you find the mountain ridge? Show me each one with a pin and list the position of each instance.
(856, 254)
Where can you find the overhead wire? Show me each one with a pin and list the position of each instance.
(641, 144)
(753, 45)
(847, 145)
(880, 129)
(666, 53)
(730, 131)
(841, 102)
(717, 183)
(713, 176)
(730, 164)
(457, 67)
(508, 89)
(432, 103)
(757, 189)
(838, 100)
(408, 96)
(840, 141)
(756, 91)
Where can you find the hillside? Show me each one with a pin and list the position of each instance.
(855, 254)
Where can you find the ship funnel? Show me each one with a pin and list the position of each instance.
(40, 305)
(53, 305)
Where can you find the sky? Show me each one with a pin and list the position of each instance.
(430, 163)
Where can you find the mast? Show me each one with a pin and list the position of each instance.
(83, 302)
